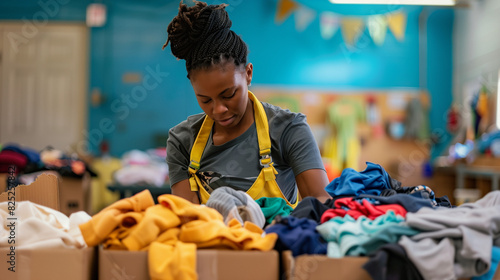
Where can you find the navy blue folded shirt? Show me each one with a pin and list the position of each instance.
(298, 235)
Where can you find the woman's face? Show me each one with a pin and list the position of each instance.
(222, 92)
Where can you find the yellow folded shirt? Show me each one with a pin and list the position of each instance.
(104, 222)
(187, 211)
(173, 260)
(157, 219)
(214, 233)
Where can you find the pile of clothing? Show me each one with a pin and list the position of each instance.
(40, 227)
(407, 232)
(171, 231)
(142, 168)
(27, 163)
(12, 155)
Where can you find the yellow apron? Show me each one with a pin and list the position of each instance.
(265, 185)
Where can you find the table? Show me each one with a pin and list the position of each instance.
(478, 172)
(130, 190)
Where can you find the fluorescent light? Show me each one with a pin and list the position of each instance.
(399, 2)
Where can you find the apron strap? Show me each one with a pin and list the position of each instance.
(197, 151)
(262, 127)
(262, 130)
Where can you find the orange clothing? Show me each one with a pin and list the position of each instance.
(170, 259)
(157, 219)
(215, 234)
(103, 223)
(171, 231)
(188, 211)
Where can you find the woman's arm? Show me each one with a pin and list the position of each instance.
(183, 189)
(312, 182)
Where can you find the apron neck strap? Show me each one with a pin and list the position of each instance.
(262, 127)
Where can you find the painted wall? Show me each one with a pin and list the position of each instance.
(131, 41)
(439, 65)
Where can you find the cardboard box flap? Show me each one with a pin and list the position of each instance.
(323, 267)
(44, 191)
(48, 263)
(211, 264)
(233, 264)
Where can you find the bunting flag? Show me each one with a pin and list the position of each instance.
(397, 25)
(285, 9)
(303, 17)
(377, 27)
(351, 29)
(329, 24)
(352, 26)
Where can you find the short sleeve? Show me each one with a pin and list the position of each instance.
(300, 149)
(177, 159)
(180, 139)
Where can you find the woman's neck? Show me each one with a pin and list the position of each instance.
(222, 135)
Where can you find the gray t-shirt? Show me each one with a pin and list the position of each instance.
(236, 162)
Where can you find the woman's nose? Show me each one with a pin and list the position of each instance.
(219, 107)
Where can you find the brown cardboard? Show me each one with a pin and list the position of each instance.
(74, 194)
(3, 181)
(228, 265)
(287, 264)
(43, 191)
(53, 264)
(210, 265)
(117, 265)
(497, 274)
(316, 267)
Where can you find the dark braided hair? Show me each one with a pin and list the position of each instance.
(201, 35)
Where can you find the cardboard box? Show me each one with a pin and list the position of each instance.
(3, 181)
(316, 267)
(210, 265)
(53, 264)
(65, 194)
(74, 194)
(44, 191)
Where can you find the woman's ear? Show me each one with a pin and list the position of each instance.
(249, 73)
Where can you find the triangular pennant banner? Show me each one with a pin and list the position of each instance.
(397, 25)
(329, 24)
(285, 8)
(303, 17)
(351, 29)
(377, 26)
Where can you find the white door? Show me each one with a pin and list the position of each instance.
(43, 84)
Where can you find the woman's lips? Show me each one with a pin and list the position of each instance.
(226, 122)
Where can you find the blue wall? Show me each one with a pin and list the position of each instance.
(439, 74)
(32, 10)
(131, 42)
(281, 55)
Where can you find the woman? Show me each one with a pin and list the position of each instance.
(238, 141)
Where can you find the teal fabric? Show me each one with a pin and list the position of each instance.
(386, 235)
(349, 237)
(273, 206)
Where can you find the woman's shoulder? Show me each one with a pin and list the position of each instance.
(189, 126)
(282, 117)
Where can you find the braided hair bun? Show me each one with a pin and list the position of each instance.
(201, 35)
